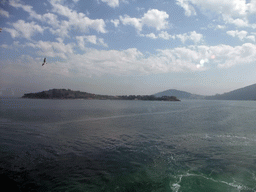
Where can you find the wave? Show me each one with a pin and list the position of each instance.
(176, 186)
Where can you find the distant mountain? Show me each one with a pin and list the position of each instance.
(245, 93)
(178, 94)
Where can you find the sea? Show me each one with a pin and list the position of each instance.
(127, 146)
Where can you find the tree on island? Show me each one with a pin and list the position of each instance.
(69, 94)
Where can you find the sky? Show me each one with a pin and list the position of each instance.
(126, 47)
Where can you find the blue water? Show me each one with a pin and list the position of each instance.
(94, 145)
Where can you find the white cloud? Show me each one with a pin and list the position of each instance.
(162, 35)
(27, 8)
(224, 56)
(75, 20)
(114, 3)
(153, 18)
(220, 27)
(78, 20)
(90, 39)
(251, 37)
(132, 61)
(150, 35)
(189, 9)
(239, 55)
(4, 13)
(238, 22)
(156, 19)
(80, 41)
(252, 6)
(193, 36)
(166, 36)
(135, 22)
(233, 12)
(51, 19)
(111, 3)
(23, 29)
(14, 33)
(53, 49)
(62, 29)
(101, 42)
(241, 35)
(115, 22)
(5, 46)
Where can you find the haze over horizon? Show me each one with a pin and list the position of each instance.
(122, 47)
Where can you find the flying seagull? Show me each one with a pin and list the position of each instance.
(44, 62)
(0, 29)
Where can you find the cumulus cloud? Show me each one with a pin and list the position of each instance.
(23, 29)
(27, 8)
(150, 35)
(189, 9)
(77, 20)
(90, 39)
(132, 61)
(111, 3)
(4, 13)
(153, 18)
(13, 32)
(135, 22)
(239, 55)
(156, 19)
(192, 36)
(51, 19)
(163, 35)
(53, 49)
(114, 3)
(241, 35)
(238, 22)
(233, 12)
(115, 22)
(251, 37)
(220, 27)
(223, 56)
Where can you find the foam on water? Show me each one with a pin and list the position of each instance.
(234, 185)
(175, 187)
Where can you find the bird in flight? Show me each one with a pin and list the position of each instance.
(44, 62)
(0, 29)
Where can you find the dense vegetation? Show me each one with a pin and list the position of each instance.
(69, 94)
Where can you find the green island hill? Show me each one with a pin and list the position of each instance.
(70, 94)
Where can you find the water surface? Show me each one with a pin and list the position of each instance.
(95, 145)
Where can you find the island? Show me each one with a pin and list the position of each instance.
(70, 94)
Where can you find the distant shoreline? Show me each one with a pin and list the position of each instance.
(69, 94)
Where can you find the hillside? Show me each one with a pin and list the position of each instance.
(245, 93)
(179, 94)
(69, 94)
